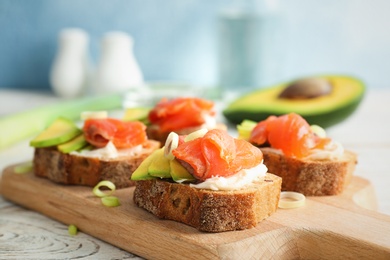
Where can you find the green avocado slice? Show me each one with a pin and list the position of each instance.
(179, 173)
(141, 173)
(60, 131)
(137, 114)
(324, 110)
(75, 144)
(160, 166)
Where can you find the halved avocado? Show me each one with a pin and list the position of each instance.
(328, 105)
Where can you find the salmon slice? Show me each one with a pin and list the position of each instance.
(290, 133)
(180, 113)
(99, 132)
(217, 154)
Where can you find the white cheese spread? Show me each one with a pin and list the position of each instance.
(210, 122)
(109, 152)
(332, 151)
(234, 182)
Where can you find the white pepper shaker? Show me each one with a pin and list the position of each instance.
(70, 71)
(117, 70)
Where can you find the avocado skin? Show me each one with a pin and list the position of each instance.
(325, 120)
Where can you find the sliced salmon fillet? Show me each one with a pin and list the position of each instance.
(290, 133)
(99, 132)
(180, 113)
(218, 154)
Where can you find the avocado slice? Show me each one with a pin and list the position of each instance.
(75, 144)
(137, 114)
(60, 131)
(324, 108)
(179, 173)
(160, 166)
(141, 173)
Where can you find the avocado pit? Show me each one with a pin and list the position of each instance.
(307, 88)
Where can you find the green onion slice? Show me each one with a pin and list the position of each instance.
(318, 130)
(72, 230)
(23, 168)
(289, 200)
(171, 144)
(196, 134)
(93, 115)
(110, 201)
(99, 193)
(245, 129)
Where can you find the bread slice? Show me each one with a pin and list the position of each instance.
(78, 170)
(311, 177)
(154, 132)
(208, 210)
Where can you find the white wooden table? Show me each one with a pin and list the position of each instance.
(25, 234)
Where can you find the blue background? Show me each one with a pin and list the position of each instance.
(177, 40)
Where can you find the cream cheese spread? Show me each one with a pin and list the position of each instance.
(234, 182)
(109, 152)
(332, 151)
(210, 122)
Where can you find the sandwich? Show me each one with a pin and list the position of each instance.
(182, 115)
(306, 159)
(103, 149)
(207, 180)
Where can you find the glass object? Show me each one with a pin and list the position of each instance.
(249, 45)
(239, 49)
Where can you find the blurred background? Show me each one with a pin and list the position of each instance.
(193, 40)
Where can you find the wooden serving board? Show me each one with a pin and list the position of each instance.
(332, 227)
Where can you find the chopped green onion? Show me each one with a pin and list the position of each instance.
(171, 144)
(290, 199)
(245, 129)
(194, 135)
(110, 201)
(99, 193)
(318, 130)
(23, 168)
(94, 115)
(107, 200)
(72, 230)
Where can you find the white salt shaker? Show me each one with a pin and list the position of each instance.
(117, 69)
(70, 71)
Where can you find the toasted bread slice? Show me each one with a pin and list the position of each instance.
(78, 170)
(208, 210)
(311, 177)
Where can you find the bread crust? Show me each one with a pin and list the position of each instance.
(207, 210)
(78, 170)
(311, 177)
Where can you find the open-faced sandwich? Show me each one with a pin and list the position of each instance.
(104, 149)
(182, 115)
(207, 180)
(307, 160)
